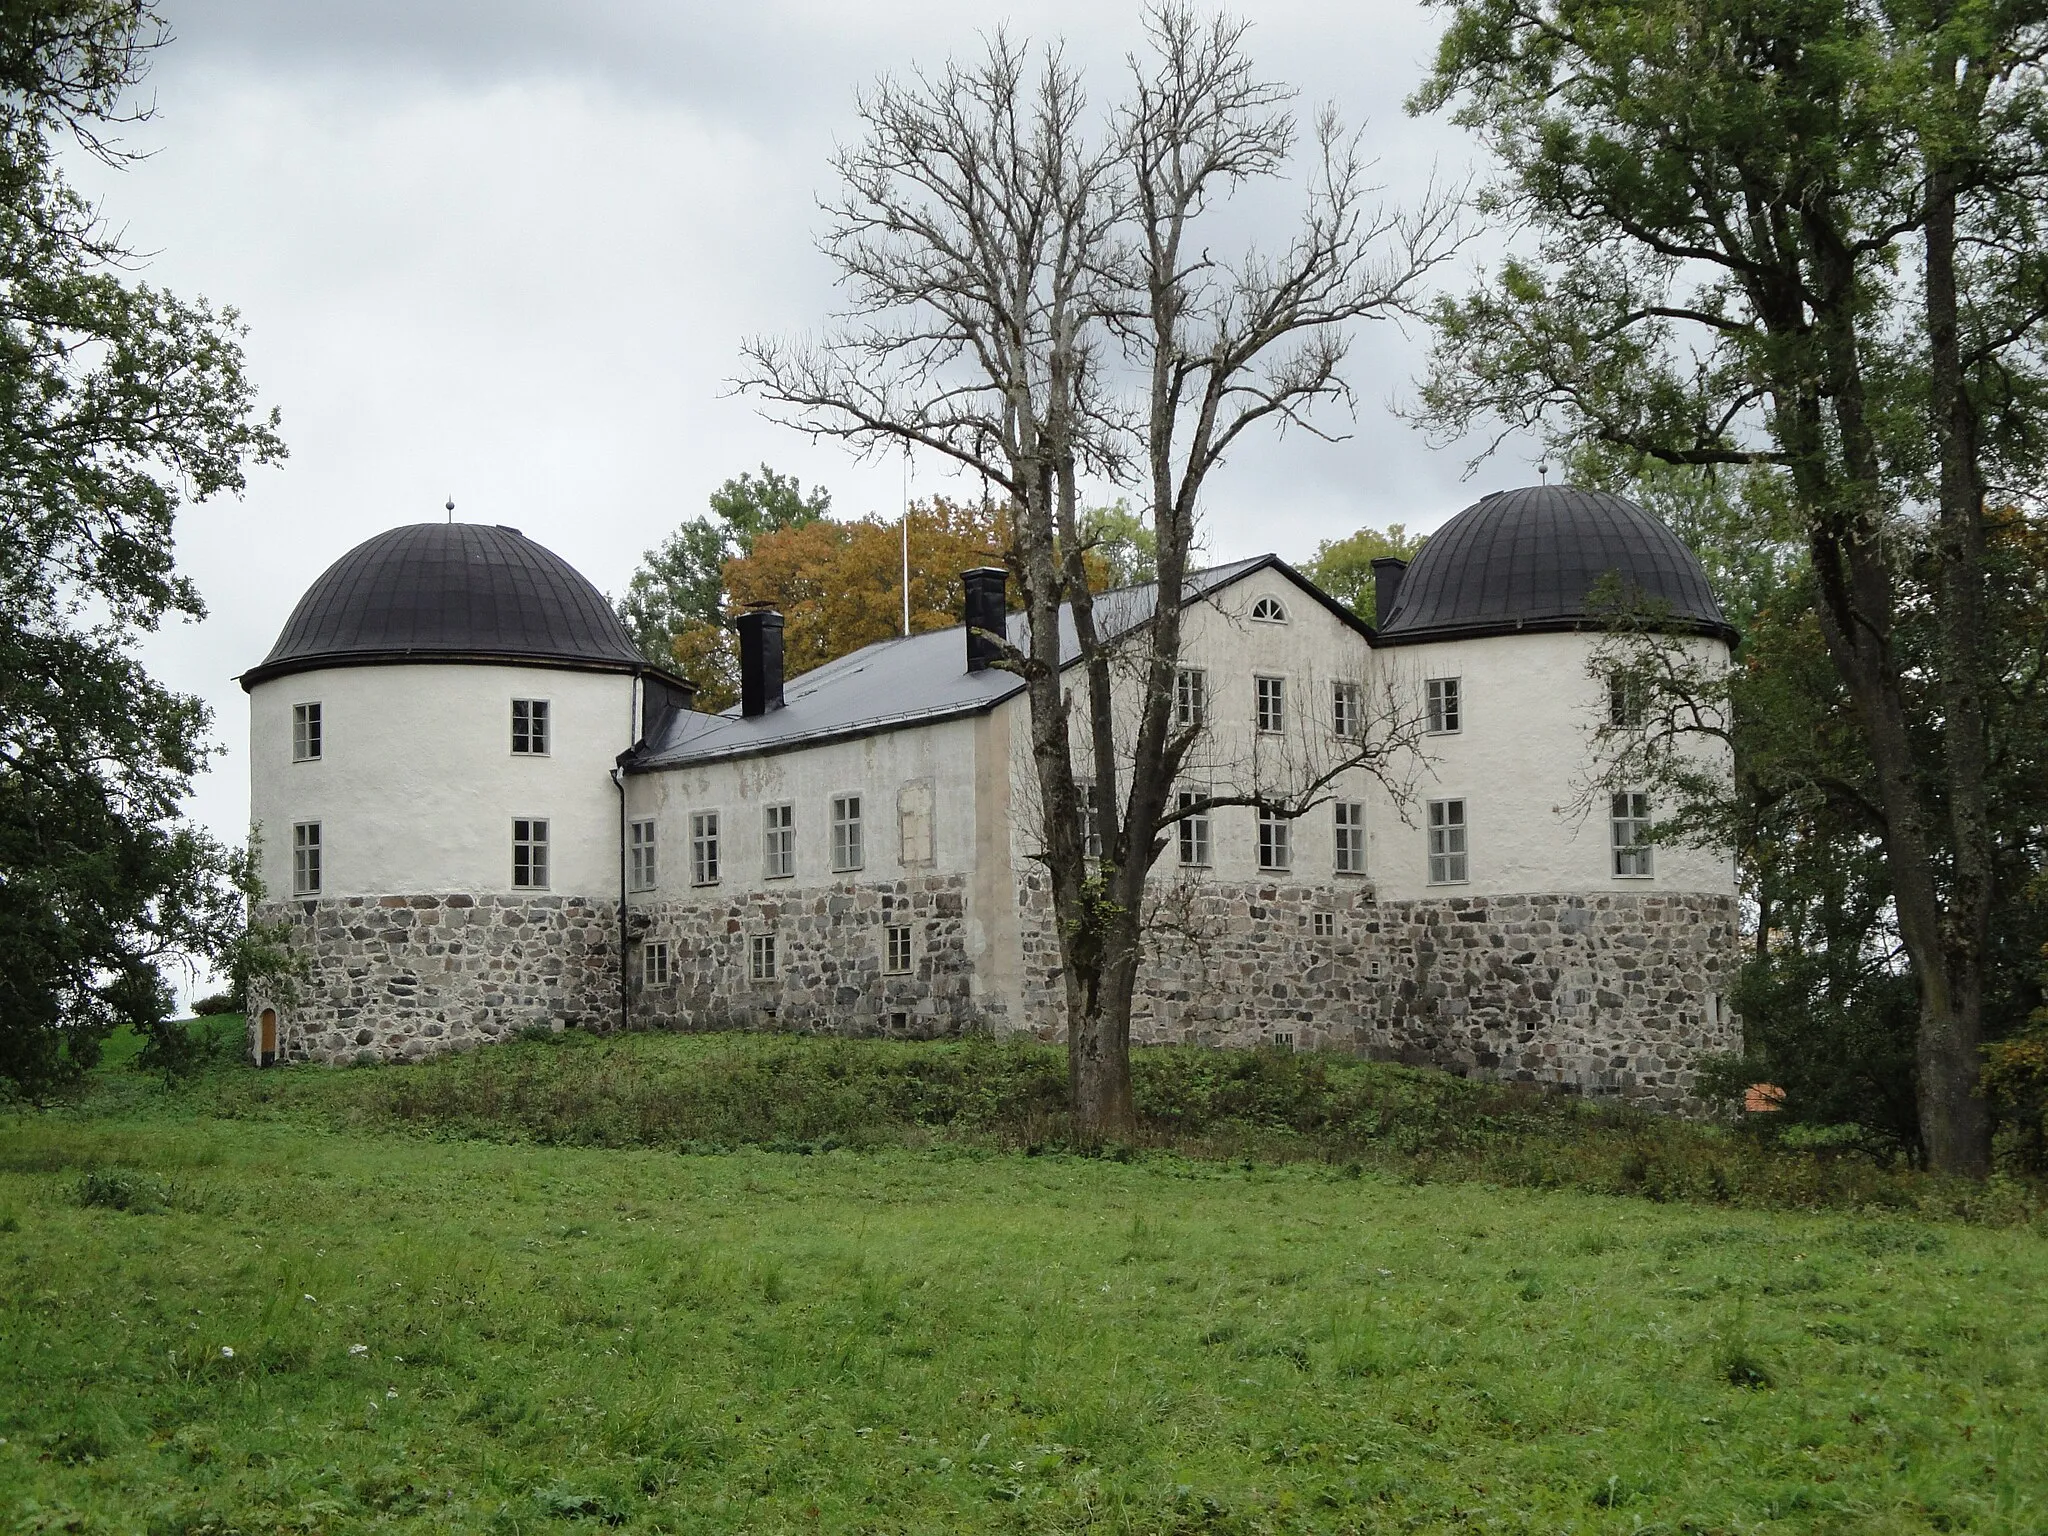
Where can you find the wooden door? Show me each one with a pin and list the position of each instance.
(266, 1037)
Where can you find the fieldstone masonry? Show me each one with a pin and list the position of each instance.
(1610, 994)
(395, 978)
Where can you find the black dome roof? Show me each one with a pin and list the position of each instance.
(453, 592)
(1529, 559)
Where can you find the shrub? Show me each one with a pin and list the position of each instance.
(2016, 1083)
(218, 1003)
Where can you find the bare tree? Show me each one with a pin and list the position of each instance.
(1038, 305)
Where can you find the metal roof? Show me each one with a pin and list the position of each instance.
(1530, 560)
(451, 592)
(914, 681)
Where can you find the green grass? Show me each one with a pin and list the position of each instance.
(435, 1329)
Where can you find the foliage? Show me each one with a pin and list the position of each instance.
(120, 403)
(324, 1331)
(1343, 567)
(1122, 545)
(1832, 279)
(679, 587)
(217, 1003)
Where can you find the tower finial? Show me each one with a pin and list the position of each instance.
(451, 509)
(1542, 473)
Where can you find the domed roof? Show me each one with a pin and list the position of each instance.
(1531, 559)
(450, 592)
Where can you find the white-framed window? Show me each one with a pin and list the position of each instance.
(778, 842)
(1267, 610)
(1190, 698)
(1347, 711)
(1448, 864)
(1089, 809)
(1446, 706)
(306, 858)
(306, 733)
(761, 957)
(1269, 712)
(640, 865)
(654, 970)
(1276, 850)
(703, 847)
(896, 949)
(1194, 830)
(1323, 924)
(846, 845)
(1624, 701)
(1631, 826)
(1350, 849)
(530, 853)
(530, 727)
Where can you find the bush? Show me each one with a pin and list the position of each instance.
(2016, 1083)
(219, 1003)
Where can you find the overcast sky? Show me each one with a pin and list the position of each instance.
(505, 251)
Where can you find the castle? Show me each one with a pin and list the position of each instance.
(482, 810)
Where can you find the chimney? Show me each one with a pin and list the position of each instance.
(987, 608)
(760, 630)
(1386, 588)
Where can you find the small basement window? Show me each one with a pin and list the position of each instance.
(654, 970)
(306, 733)
(1323, 925)
(530, 727)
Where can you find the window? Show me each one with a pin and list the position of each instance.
(761, 957)
(1194, 830)
(306, 859)
(914, 823)
(1347, 718)
(305, 733)
(654, 964)
(846, 849)
(1190, 699)
(1274, 850)
(1267, 610)
(530, 727)
(1447, 862)
(1624, 701)
(640, 855)
(778, 842)
(1089, 810)
(530, 853)
(1350, 859)
(1323, 924)
(1631, 835)
(1283, 1039)
(898, 949)
(704, 848)
(1271, 711)
(1446, 713)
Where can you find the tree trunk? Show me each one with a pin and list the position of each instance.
(1099, 1042)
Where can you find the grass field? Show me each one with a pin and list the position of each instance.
(367, 1300)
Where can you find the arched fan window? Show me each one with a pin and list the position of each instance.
(1268, 610)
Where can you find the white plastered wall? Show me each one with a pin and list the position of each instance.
(417, 786)
(1520, 760)
(876, 767)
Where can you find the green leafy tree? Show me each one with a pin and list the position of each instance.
(1802, 238)
(678, 593)
(118, 402)
(1121, 544)
(1343, 567)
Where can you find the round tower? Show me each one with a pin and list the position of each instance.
(431, 742)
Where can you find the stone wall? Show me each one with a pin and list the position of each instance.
(1607, 994)
(829, 961)
(400, 977)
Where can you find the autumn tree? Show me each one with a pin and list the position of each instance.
(1036, 295)
(1803, 238)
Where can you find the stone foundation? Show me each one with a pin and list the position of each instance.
(830, 961)
(395, 978)
(1605, 994)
